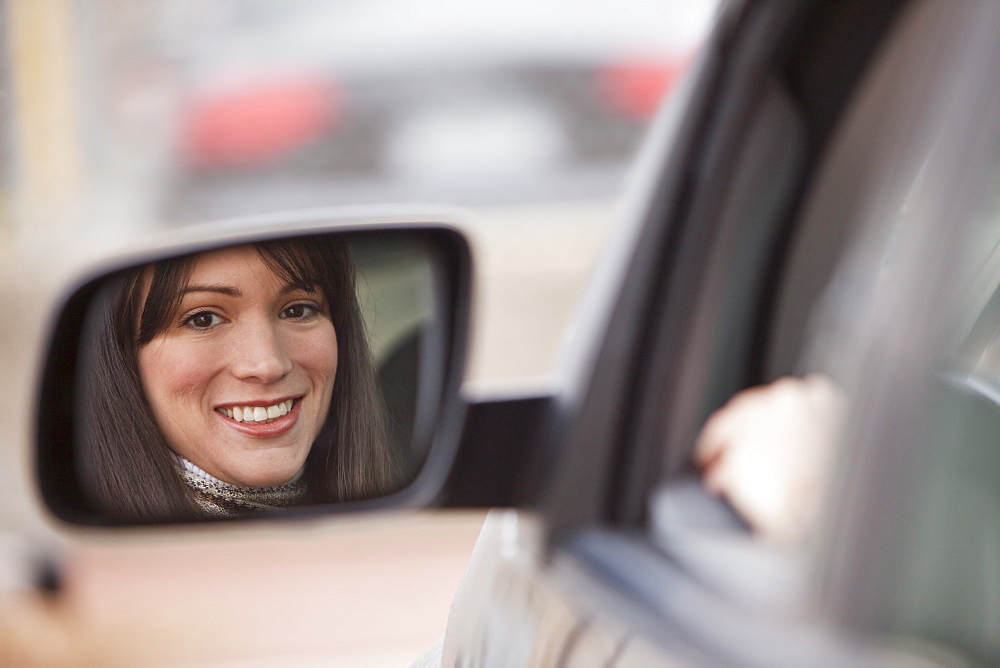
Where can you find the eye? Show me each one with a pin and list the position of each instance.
(300, 312)
(202, 320)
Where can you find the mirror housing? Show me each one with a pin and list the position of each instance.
(434, 413)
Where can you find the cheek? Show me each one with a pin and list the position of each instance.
(319, 354)
(328, 357)
(172, 372)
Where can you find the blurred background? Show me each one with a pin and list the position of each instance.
(126, 119)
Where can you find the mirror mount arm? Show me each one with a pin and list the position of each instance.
(499, 443)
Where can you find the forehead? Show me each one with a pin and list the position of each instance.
(231, 266)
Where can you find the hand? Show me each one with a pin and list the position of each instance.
(766, 452)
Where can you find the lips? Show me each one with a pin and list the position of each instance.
(257, 414)
(262, 420)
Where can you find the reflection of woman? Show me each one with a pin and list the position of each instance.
(234, 380)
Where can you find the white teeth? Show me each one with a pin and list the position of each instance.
(258, 414)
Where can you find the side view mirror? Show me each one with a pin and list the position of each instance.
(257, 373)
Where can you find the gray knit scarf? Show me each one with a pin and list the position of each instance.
(220, 499)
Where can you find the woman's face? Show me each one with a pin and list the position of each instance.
(240, 381)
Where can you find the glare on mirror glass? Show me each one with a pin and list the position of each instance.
(256, 377)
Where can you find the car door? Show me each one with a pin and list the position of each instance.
(781, 207)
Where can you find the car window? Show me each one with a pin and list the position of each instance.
(890, 292)
(953, 543)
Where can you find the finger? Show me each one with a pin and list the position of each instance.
(714, 437)
(716, 475)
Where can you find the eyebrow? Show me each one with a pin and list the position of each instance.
(292, 287)
(230, 291)
(220, 289)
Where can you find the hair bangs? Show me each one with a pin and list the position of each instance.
(167, 280)
(295, 263)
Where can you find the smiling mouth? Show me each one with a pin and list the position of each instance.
(257, 414)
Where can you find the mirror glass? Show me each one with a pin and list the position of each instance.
(252, 378)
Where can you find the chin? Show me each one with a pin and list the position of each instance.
(279, 475)
(269, 479)
(266, 469)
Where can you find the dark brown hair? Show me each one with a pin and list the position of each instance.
(129, 469)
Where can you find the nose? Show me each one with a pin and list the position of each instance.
(258, 353)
